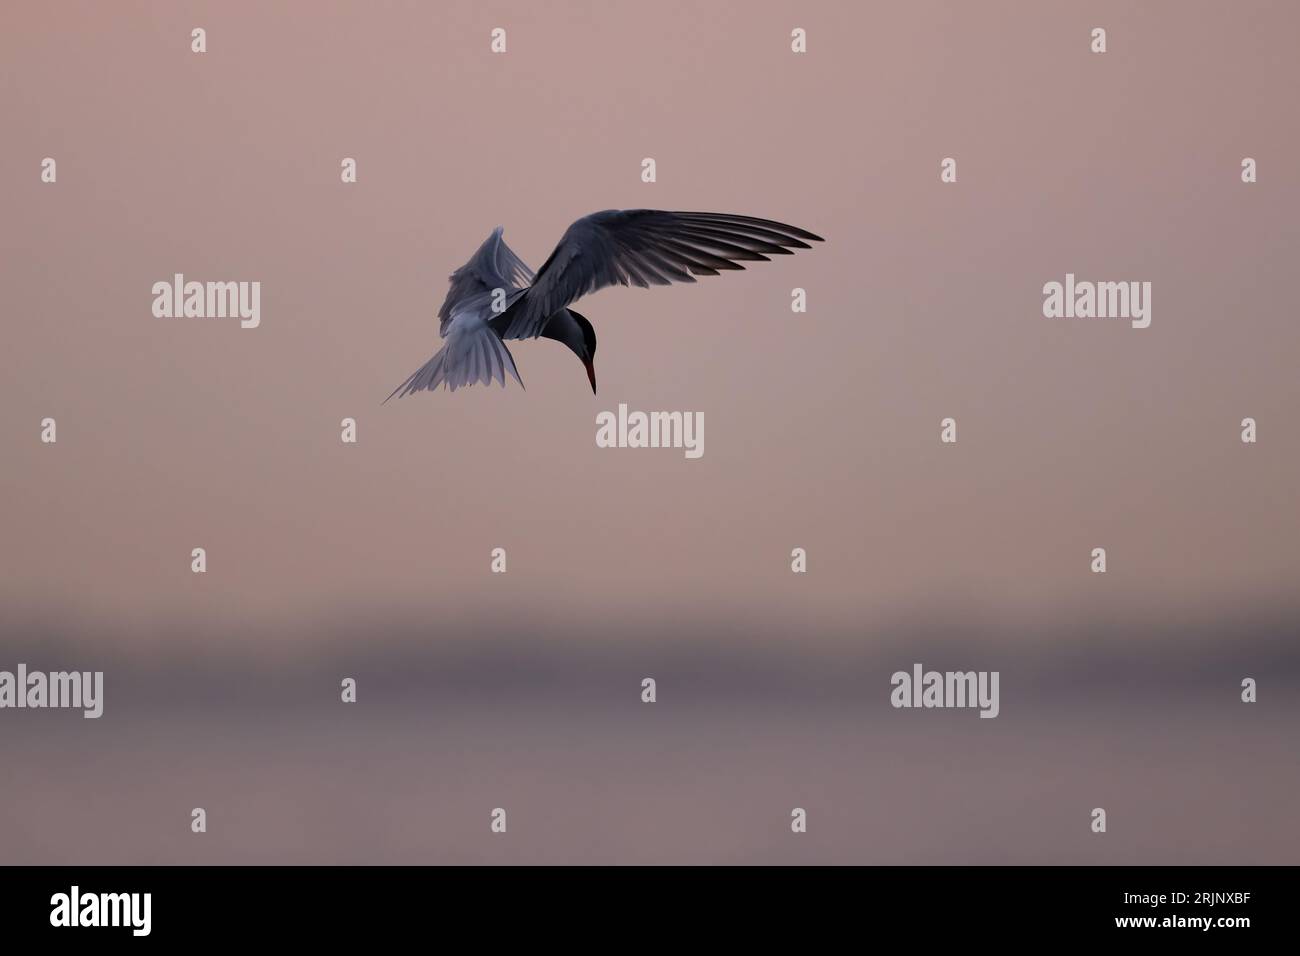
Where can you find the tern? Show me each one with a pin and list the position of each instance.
(495, 297)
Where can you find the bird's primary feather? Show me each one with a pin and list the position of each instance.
(644, 247)
(494, 266)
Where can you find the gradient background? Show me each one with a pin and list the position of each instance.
(522, 690)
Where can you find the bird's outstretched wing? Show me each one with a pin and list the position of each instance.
(643, 247)
(493, 266)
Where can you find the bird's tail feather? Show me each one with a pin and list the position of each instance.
(468, 357)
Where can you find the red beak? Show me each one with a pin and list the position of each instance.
(591, 376)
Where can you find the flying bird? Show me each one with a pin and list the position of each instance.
(495, 297)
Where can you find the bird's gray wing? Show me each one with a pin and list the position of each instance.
(493, 266)
(643, 247)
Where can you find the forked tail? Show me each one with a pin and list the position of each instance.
(469, 356)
